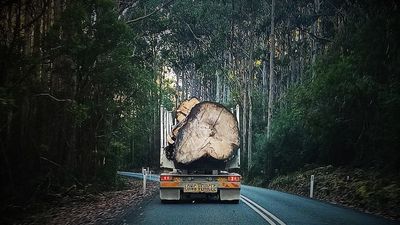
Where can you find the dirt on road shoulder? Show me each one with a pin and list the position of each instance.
(100, 208)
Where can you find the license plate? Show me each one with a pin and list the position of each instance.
(200, 188)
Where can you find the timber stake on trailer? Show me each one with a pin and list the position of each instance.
(238, 119)
(166, 122)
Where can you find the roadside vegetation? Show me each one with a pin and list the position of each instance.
(344, 114)
(366, 190)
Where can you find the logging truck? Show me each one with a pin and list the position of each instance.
(200, 154)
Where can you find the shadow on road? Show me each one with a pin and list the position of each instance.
(197, 201)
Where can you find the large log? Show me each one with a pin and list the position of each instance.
(210, 130)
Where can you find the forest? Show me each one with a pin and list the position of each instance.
(82, 83)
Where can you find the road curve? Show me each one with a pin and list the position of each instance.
(298, 210)
(257, 206)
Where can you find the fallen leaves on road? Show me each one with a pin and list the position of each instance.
(102, 208)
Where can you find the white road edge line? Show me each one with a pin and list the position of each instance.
(258, 212)
(263, 210)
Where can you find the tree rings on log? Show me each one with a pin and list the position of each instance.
(210, 130)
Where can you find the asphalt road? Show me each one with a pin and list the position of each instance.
(257, 206)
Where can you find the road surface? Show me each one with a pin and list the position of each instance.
(257, 206)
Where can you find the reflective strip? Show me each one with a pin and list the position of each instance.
(229, 185)
(169, 184)
(222, 179)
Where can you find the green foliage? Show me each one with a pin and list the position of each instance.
(85, 98)
(79, 112)
(366, 189)
(347, 112)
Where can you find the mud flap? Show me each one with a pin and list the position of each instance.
(229, 194)
(170, 194)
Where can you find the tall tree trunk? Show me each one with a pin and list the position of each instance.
(132, 151)
(249, 141)
(244, 117)
(315, 33)
(264, 89)
(183, 86)
(218, 91)
(250, 67)
(271, 95)
(177, 89)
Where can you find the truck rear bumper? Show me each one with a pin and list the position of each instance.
(224, 194)
(225, 187)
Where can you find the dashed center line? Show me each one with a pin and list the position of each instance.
(269, 217)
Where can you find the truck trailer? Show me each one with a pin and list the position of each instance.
(199, 154)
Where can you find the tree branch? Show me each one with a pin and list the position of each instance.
(314, 35)
(54, 98)
(125, 10)
(61, 167)
(194, 35)
(158, 8)
(34, 20)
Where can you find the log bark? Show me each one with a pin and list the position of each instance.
(184, 109)
(181, 113)
(210, 130)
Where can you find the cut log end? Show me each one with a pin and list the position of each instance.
(210, 130)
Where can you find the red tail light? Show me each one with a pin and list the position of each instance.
(234, 178)
(165, 178)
